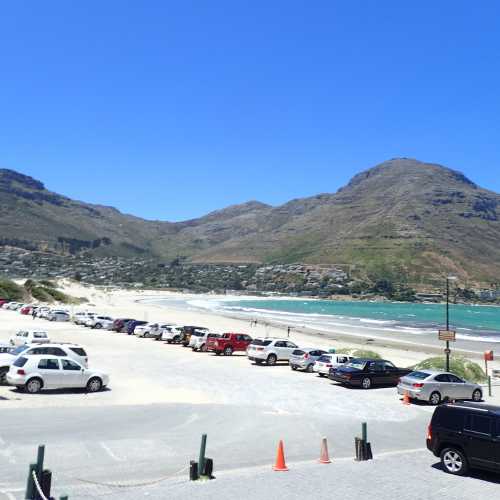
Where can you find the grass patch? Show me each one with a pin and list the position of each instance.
(10, 291)
(459, 365)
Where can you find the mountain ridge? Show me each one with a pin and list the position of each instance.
(405, 217)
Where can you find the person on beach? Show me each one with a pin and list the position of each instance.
(288, 331)
(33, 313)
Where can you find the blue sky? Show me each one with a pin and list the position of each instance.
(169, 110)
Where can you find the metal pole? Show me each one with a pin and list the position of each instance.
(447, 323)
(364, 432)
(201, 461)
(489, 386)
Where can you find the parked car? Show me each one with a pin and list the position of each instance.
(120, 323)
(156, 330)
(143, 330)
(73, 351)
(436, 386)
(304, 358)
(172, 334)
(465, 436)
(12, 306)
(80, 318)
(29, 337)
(270, 350)
(58, 315)
(3, 301)
(228, 343)
(34, 373)
(6, 348)
(42, 312)
(187, 331)
(7, 358)
(130, 326)
(26, 310)
(97, 322)
(199, 340)
(367, 373)
(330, 360)
(5, 305)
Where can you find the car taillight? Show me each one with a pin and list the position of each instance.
(21, 372)
(418, 385)
(260, 348)
(329, 366)
(348, 376)
(429, 432)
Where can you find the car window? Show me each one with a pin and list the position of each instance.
(389, 366)
(55, 351)
(280, 343)
(78, 350)
(67, 364)
(419, 375)
(478, 423)
(39, 335)
(324, 359)
(443, 377)
(455, 379)
(297, 352)
(261, 342)
(341, 359)
(19, 362)
(48, 364)
(291, 345)
(37, 350)
(378, 366)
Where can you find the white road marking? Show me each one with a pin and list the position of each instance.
(110, 453)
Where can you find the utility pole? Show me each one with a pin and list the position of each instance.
(447, 351)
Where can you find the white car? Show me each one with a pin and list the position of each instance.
(42, 312)
(172, 334)
(269, 350)
(199, 339)
(143, 330)
(7, 358)
(80, 318)
(329, 360)
(12, 306)
(74, 351)
(29, 337)
(34, 373)
(100, 322)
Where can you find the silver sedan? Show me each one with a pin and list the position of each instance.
(435, 386)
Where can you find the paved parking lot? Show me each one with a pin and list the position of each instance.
(161, 398)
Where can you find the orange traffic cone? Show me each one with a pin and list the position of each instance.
(280, 459)
(406, 398)
(323, 457)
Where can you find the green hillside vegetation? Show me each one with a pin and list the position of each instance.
(359, 353)
(42, 292)
(459, 365)
(10, 291)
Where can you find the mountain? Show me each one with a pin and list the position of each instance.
(400, 217)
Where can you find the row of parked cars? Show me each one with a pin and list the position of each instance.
(38, 311)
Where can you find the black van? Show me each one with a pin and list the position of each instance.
(466, 435)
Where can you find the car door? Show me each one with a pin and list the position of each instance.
(50, 371)
(481, 446)
(444, 386)
(280, 349)
(289, 348)
(391, 373)
(72, 373)
(459, 388)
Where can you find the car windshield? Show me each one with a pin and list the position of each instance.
(261, 342)
(419, 375)
(198, 334)
(40, 335)
(357, 363)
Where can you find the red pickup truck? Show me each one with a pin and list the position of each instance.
(228, 343)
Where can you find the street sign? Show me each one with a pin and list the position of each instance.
(448, 335)
(488, 355)
(447, 351)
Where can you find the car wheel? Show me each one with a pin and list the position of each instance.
(34, 385)
(98, 326)
(217, 353)
(176, 339)
(94, 385)
(228, 351)
(310, 368)
(3, 375)
(435, 398)
(366, 383)
(258, 361)
(203, 348)
(293, 367)
(454, 462)
(321, 375)
(271, 359)
(477, 395)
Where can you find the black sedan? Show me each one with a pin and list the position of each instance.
(366, 373)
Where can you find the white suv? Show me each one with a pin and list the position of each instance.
(73, 351)
(29, 337)
(270, 350)
(199, 339)
(172, 334)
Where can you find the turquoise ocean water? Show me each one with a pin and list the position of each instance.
(468, 319)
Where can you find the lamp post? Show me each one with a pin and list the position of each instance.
(447, 351)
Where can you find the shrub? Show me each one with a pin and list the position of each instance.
(10, 291)
(359, 353)
(459, 365)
